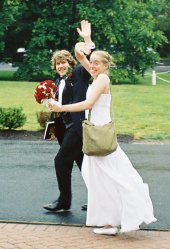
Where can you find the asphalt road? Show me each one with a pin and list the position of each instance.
(27, 181)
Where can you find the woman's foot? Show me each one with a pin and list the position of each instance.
(106, 230)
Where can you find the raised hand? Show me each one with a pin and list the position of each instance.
(85, 31)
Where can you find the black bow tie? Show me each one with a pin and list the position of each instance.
(62, 77)
(58, 80)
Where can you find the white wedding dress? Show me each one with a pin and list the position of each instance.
(117, 195)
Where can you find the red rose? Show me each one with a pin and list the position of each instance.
(54, 87)
(45, 90)
(48, 89)
(69, 75)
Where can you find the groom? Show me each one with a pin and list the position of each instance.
(71, 89)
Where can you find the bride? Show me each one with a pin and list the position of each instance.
(117, 196)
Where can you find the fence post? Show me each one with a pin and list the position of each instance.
(153, 78)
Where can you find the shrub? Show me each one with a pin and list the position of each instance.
(1, 114)
(42, 118)
(12, 117)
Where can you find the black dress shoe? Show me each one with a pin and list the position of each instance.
(57, 205)
(84, 207)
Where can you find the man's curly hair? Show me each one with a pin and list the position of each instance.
(62, 55)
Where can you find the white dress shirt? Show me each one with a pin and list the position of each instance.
(60, 90)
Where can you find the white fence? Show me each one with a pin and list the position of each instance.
(155, 76)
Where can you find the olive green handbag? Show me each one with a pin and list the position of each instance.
(98, 140)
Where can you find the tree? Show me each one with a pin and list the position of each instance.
(127, 29)
(6, 20)
(163, 23)
(50, 31)
(118, 26)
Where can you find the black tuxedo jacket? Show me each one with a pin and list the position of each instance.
(80, 84)
(74, 91)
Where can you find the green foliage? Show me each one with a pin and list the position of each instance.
(42, 118)
(163, 23)
(1, 114)
(161, 11)
(127, 29)
(8, 14)
(50, 31)
(117, 74)
(6, 75)
(126, 35)
(34, 65)
(12, 118)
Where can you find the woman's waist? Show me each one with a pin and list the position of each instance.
(100, 120)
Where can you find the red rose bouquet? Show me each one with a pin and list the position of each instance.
(44, 91)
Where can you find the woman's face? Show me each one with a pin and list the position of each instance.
(62, 67)
(96, 65)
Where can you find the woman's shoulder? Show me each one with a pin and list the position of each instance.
(103, 78)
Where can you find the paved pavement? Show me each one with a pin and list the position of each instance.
(31, 236)
(7, 67)
(28, 181)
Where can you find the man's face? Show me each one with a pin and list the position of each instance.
(62, 67)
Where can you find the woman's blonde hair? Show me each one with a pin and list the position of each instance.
(106, 58)
(62, 55)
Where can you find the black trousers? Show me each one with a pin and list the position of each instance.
(70, 151)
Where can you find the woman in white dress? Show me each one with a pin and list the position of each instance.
(117, 196)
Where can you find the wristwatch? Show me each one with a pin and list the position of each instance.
(90, 45)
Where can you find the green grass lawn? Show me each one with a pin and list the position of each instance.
(16, 94)
(140, 110)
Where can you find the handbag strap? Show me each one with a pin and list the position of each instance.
(89, 114)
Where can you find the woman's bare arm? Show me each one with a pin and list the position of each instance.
(99, 87)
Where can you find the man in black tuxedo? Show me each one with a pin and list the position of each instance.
(72, 87)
